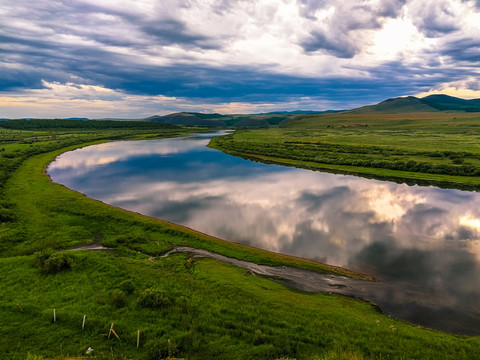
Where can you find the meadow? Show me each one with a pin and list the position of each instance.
(181, 306)
(432, 148)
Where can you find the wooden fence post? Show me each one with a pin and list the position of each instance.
(110, 332)
(113, 331)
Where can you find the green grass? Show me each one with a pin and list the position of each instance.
(433, 147)
(214, 310)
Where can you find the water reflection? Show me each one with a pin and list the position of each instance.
(423, 240)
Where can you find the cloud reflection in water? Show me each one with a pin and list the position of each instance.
(424, 237)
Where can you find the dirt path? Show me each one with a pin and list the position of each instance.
(95, 247)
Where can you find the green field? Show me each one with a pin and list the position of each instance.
(183, 307)
(439, 148)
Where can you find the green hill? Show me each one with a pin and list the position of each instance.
(398, 105)
(236, 120)
(184, 118)
(450, 103)
(411, 104)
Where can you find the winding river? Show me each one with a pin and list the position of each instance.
(422, 242)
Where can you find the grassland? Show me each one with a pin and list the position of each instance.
(438, 148)
(183, 307)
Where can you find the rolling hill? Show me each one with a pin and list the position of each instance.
(398, 105)
(411, 104)
(237, 120)
(450, 103)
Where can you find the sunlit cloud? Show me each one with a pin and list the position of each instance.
(468, 88)
(471, 222)
(70, 100)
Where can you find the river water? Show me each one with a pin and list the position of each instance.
(424, 242)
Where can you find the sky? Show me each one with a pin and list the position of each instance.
(137, 58)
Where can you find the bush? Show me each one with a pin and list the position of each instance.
(6, 215)
(42, 256)
(160, 349)
(154, 299)
(127, 286)
(50, 262)
(118, 299)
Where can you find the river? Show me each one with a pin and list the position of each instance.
(421, 241)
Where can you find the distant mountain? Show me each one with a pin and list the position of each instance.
(410, 104)
(213, 120)
(219, 120)
(193, 119)
(72, 118)
(300, 112)
(3, 119)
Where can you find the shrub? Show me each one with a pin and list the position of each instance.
(42, 256)
(6, 215)
(50, 262)
(127, 286)
(154, 299)
(259, 337)
(160, 349)
(118, 299)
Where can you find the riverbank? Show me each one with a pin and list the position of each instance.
(426, 149)
(202, 309)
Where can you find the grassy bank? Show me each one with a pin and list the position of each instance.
(436, 148)
(183, 307)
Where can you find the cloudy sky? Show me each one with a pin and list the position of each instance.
(136, 58)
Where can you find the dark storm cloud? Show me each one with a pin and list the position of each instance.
(243, 83)
(465, 50)
(172, 31)
(320, 41)
(96, 66)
